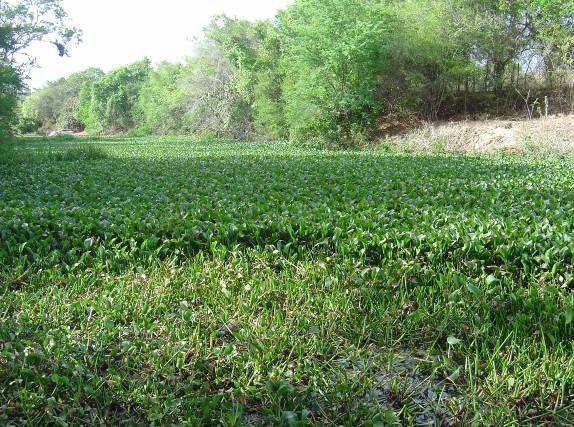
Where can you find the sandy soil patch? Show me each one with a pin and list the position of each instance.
(490, 136)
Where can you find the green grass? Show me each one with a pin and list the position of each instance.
(164, 280)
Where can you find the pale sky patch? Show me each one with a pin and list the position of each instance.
(118, 32)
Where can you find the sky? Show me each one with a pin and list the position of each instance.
(118, 32)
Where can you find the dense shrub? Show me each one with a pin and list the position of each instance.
(335, 71)
(333, 56)
(161, 100)
(111, 103)
(55, 106)
(10, 85)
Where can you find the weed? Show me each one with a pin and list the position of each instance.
(166, 280)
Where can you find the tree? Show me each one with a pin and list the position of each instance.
(427, 60)
(218, 83)
(332, 63)
(10, 86)
(517, 33)
(21, 25)
(56, 104)
(339, 72)
(268, 78)
(162, 99)
(111, 103)
(212, 100)
(552, 26)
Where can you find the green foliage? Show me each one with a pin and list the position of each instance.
(428, 59)
(27, 21)
(253, 53)
(168, 281)
(334, 54)
(508, 33)
(219, 86)
(238, 41)
(84, 107)
(553, 23)
(10, 86)
(23, 23)
(336, 72)
(268, 102)
(162, 99)
(114, 99)
(56, 105)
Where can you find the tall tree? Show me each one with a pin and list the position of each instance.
(332, 62)
(21, 24)
(114, 98)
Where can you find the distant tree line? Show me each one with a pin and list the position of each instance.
(333, 71)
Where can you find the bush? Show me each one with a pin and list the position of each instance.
(111, 103)
(161, 100)
(10, 86)
(55, 106)
(339, 73)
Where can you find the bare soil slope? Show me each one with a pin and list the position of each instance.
(489, 136)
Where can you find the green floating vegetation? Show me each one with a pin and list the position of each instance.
(168, 280)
